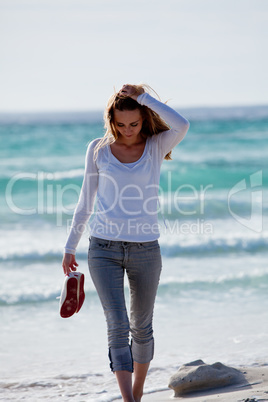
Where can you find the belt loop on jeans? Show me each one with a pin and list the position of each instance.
(109, 243)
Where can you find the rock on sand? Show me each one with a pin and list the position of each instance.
(198, 376)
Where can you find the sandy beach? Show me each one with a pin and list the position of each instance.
(254, 389)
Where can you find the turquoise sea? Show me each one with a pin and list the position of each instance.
(212, 301)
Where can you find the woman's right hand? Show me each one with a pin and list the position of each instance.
(133, 91)
(69, 263)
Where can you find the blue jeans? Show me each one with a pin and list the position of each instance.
(108, 260)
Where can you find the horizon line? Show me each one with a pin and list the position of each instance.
(247, 112)
(99, 110)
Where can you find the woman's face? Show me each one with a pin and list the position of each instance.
(128, 123)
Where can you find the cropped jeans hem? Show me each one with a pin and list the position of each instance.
(121, 359)
(142, 352)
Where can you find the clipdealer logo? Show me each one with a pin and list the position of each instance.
(51, 198)
(255, 220)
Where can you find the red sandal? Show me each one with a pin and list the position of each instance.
(72, 294)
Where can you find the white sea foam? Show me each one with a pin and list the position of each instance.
(197, 237)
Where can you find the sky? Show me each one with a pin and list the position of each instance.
(70, 55)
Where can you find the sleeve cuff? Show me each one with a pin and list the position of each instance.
(141, 97)
(69, 251)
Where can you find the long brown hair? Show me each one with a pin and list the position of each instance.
(152, 122)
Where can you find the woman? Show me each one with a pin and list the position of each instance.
(123, 169)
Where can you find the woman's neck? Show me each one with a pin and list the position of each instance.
(129, 142)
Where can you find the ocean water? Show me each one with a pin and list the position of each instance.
(212, 301)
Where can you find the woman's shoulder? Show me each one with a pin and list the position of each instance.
(93, 143)
(154, 139)
(152, 145)
(98, 152)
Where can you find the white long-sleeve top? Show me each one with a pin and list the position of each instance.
(127, 193)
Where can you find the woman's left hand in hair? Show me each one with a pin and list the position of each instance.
(133, 91)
